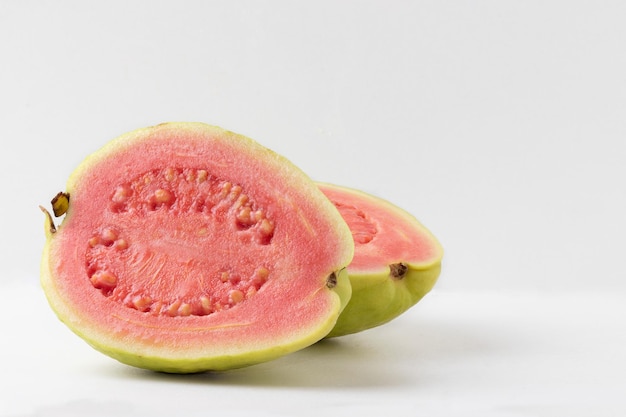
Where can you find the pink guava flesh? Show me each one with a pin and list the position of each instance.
(382, 233)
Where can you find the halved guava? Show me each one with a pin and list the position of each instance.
(186, 248)
(396, 259)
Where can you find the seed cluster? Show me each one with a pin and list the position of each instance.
(363, 228)
(192, 191)
(187, 194)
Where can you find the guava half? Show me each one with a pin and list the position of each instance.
(187, 248)
(396, 259)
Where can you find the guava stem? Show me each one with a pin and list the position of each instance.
(49, 222)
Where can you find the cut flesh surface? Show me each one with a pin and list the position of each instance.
(396, 259)
(187, 248)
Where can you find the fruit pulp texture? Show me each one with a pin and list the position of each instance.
(211, 212)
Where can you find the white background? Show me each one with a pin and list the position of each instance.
(501, 125)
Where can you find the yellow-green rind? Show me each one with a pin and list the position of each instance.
(181, 365)
(378, 298)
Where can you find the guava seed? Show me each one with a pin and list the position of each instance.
(104, 280)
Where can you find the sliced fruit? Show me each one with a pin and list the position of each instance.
(186, 248)
(396, 259)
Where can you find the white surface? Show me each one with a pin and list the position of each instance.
(455, 354)
(501, 125)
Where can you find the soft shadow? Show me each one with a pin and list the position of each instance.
(388, 356)
(330, 363)
(82, 408)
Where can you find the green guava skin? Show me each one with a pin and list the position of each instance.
(379, 294)
(378, 298)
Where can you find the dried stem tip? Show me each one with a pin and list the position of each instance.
(331, 281)
(398, 270)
